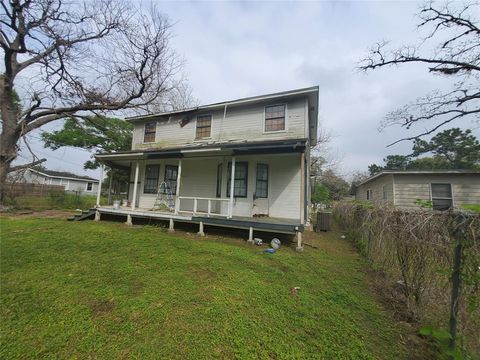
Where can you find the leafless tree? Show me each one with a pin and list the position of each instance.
(72, 59)
(451, 48)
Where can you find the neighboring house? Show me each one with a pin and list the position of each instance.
(71, 182)
(264, 141)
(444, 188)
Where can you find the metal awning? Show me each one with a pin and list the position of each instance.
(123, 159)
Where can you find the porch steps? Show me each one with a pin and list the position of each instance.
(86, 214)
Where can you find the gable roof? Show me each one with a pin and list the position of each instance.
(418, 172)
(310, 92)
(62, 175)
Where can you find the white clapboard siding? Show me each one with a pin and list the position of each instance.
(241, 123)
(199, 180)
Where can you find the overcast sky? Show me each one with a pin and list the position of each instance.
(235, 50)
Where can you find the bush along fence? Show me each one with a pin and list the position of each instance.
(432, 261)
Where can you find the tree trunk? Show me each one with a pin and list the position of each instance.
(10, 131)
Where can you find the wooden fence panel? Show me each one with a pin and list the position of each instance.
(22, 189)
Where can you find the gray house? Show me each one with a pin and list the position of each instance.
(444, 188)
(71, 182)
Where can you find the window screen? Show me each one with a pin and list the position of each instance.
(261, 190)
(150, 129)
(442, 196)
(171, 172)
(151, 179)
(204, 126)
(241, 176)
(275, 118)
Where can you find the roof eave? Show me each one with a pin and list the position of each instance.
(253, 99)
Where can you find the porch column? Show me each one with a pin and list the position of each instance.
(177, 191)
(232, 183)
(99, 191)
(302, 188)
(135, 184)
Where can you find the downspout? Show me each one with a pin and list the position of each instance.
(220, 133)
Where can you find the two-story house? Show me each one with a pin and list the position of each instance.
(181, 164)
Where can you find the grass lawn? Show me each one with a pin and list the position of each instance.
(103, 290)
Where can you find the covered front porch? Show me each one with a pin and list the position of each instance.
(268, 191)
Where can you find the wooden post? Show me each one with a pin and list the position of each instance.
(250, 235)
(195, 203)
(97, 215)
(232, 183)
(369, 245)
(209, 207)
(459, 236)
(171, 226)
(135, 184)
(299, 242)
(110, 188)
(99, 191)
(302, 188)
(177, 192)
(129, 220)
(200, 229)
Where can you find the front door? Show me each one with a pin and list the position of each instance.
(261, 194)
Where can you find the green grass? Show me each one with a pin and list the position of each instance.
(472, 207)
(103, 290)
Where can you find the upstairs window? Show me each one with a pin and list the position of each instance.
(204, 126)
(241, 176)
(151, 179)
(275, 118)
(150, 129)
(171, 173)
(442, 196)
(261, 190)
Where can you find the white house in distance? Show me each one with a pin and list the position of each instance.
(71, 182)
(444, 188)
(263, 140)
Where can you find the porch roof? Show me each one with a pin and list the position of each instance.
(123, 158)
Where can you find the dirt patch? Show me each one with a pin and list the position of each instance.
(137, 288)
(201, 274)
(391, 298)
(47, 214)
(101, 307)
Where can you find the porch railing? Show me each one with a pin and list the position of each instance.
(195, 205)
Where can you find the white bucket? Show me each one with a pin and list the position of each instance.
(116, 204)
(125, 202)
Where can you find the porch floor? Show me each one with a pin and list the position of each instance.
(269, 224)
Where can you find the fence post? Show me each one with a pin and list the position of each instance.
(458, 235)
(369, 245)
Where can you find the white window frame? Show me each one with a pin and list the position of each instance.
(286, 119)
(268, 179)
(86, 186)
(143, 132)
(442, 198)
(195, 129)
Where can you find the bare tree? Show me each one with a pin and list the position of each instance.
(453, 33)
(77, 59)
